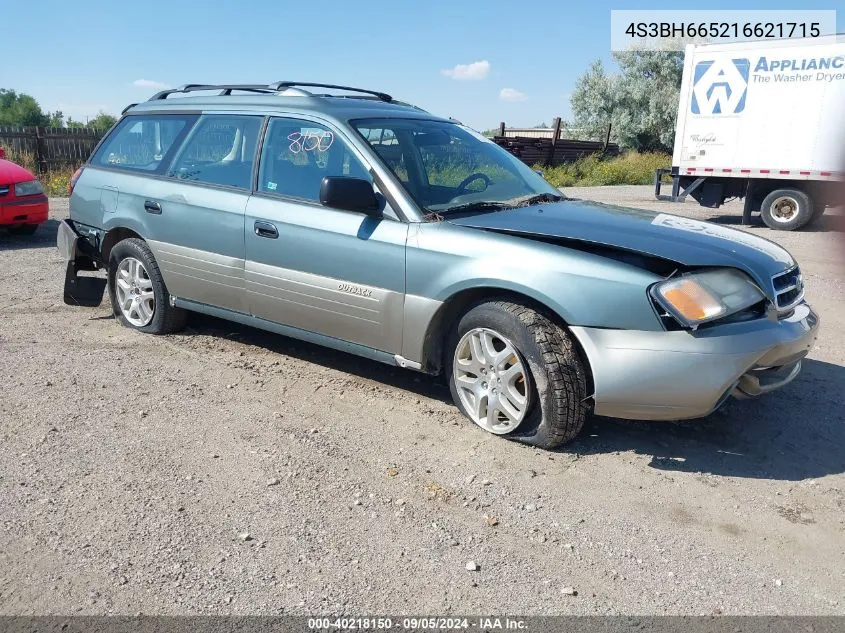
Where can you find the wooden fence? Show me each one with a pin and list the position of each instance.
(51, 147)
(546, 147)
(544, 132)
(543, 151)
(57, 148)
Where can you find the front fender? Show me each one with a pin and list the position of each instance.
(582, 288)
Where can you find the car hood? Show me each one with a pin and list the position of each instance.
(11, 173)
(682, 240)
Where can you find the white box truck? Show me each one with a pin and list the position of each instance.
(763, 121)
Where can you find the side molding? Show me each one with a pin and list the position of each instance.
(285, 330)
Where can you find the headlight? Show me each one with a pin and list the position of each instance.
(701, 297)
(31, 188)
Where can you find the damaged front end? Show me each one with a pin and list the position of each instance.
(81, 255)
(732, 325)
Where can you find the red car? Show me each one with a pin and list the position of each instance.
(23, 205)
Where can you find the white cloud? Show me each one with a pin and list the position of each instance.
(149, 83)
(509, 94)
(475, 71)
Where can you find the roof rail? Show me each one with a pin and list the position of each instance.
(225, 89)
(281, 85)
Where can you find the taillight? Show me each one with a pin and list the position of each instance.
(73, 180)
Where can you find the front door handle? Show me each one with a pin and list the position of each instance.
(152, 207)
(265, 229)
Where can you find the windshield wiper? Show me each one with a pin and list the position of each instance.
(480, 205)
(527, 201)
(489, 205)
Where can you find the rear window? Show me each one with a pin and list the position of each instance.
(142, 142)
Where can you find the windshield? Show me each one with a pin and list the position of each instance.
(447, 167)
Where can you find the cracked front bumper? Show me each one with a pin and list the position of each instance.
(677, 375)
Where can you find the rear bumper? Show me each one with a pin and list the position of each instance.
(677, 375)
(26, 211)
(79, 254)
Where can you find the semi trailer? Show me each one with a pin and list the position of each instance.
(764, 122)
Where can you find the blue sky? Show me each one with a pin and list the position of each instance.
(520, 59)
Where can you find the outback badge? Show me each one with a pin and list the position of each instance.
(354, 290)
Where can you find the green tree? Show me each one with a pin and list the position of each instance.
(20, 109)
(102, 121)
(56, 119)
(638, 105)
(595, 102)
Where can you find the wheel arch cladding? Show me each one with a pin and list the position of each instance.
(113, 237)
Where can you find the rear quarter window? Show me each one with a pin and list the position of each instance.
(142, 143)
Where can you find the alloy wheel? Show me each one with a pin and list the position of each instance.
(134, 291)
(492, 380)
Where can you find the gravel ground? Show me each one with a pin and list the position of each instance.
(227, 470)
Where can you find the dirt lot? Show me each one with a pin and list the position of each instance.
(226, 470)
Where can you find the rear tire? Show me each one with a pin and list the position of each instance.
(23, 229)
(556, 376)
(164, 319)
(787, 209)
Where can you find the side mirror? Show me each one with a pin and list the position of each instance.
(351, 194)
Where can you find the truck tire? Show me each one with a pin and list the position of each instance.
(787, 209)
(517, 373)
(139, 298)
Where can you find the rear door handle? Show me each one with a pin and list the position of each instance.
(265, 229)
(152, 207)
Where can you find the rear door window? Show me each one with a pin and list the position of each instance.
(219, 151)
(143, 143)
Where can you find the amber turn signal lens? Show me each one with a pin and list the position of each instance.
(692, 301)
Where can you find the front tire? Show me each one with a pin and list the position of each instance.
(786, 209)
(139, 297)
(516, 373)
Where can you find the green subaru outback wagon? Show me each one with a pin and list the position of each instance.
(349, 219)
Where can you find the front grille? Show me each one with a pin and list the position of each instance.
(4, 190)
(789, 288)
